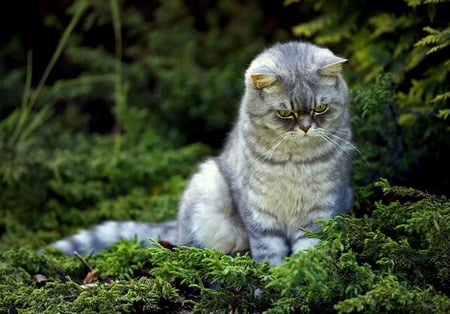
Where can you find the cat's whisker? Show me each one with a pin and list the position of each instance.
(270, 152)
(268, 155)
(334, 138)
(354, 147)
(335, 141)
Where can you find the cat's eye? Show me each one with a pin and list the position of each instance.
(284, 113)
(321, 108)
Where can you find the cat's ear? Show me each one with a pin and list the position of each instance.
(263, 80)
(332, 67)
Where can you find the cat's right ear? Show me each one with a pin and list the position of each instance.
(332, 67)
(261, 81)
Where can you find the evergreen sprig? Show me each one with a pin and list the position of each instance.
(395, 261)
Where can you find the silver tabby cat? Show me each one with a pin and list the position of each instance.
(286, 164)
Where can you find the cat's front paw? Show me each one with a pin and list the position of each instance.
(304, 244)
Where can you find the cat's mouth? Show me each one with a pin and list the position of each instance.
(303, 132)
(312, 138)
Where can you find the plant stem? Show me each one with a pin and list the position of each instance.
(28, 101)
(119, 95)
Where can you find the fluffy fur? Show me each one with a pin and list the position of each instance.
(286, 164)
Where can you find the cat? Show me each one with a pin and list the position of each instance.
(285, 164)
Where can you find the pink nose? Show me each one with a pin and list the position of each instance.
(305, 128)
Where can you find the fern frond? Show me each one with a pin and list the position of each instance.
(289, 2)
(413, 3)
(435, 1)
(416, 3)
(442, 98)
(335, 35)
(315, 26)
(383, 23)
(437, 39)
(444, 113)
(437, 48)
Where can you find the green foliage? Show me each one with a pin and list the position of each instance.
(69, 172)
(390, 263)
(378, 135)
(123, 262)
(165, 68)
(61, 293)
(390, 295)
(67, 181)
(397, 261)
(224, 283)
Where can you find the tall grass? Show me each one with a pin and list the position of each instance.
(26, 122)
(119, 93)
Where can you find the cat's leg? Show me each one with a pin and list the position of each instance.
(300, 241)
(268, 240)
(270, 247)
(207, 217)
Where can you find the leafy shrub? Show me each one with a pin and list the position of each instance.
(395, 261)
(392, 262)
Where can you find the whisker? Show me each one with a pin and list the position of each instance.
(354, 147)
(334, 138)
(267, 155)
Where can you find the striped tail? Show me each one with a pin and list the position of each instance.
(101, 236)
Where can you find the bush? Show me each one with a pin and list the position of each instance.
(394, 261)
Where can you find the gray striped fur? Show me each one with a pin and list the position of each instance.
(101, 236)
(272, 177)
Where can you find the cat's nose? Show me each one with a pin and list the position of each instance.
(304, 128)
(304, 123)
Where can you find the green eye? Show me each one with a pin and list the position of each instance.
(284, 113)
(321, 108)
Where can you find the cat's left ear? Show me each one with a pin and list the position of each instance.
(263, 80)
(332, 67)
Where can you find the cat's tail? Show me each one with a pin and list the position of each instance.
(101, 236)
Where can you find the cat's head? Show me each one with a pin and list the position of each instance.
(297, 87)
